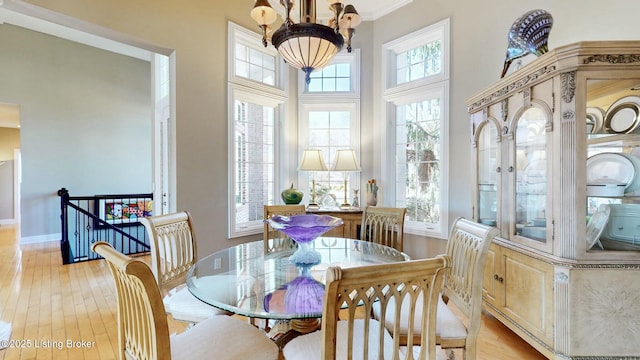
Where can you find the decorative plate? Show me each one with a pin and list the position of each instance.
(623, 116)
(596, 224)
(595, 120)
(610, 166)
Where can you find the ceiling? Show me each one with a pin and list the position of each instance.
(369, 10)
(31, 17)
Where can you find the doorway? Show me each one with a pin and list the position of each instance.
(9, 163)
(48, 22)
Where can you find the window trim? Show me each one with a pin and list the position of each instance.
(413, 91)
(329, 101)
(253, 40)
(237, 92)
(240, 88)
(439, 30)
(439, 230)
(352, 58)
(352, 105)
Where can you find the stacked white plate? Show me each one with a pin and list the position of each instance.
(633, 189)
(611, 174)
(623, 224)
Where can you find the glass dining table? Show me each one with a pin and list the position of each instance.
(244, 280)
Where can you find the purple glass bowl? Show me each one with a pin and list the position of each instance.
(304, 228)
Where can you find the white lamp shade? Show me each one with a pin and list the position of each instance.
(345, 161)
(312, 160)
(350, 18)
(263, 13)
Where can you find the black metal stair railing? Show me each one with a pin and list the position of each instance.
(110, 218)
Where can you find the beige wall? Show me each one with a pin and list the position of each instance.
(478, 45)
(85, 118)
(197, 32)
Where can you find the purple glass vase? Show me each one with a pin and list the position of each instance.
(302, 295)
(303, 229)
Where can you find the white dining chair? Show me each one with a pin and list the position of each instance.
(467, 247)
(383, 225)
(173, 252)
(143, 330)
(5, 334)
(352, 292)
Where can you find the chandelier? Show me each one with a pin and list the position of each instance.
(308, 45)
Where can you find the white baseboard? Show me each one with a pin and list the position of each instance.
(40, 238)
(8, 221)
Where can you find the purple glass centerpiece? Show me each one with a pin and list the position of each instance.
(302, 295)
(303, 229)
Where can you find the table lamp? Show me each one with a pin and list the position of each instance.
(346, 162)
(312, 160)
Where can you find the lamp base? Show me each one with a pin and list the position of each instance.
(345, 206)
(313, 206)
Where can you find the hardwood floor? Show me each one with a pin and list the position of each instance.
(69, 311)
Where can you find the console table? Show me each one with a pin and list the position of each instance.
(351, 218)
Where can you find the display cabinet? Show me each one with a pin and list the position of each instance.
(555, 153)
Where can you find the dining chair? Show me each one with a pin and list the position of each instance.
(173, 252)
(5, 334)
(279, 241)
(467, 248)
(352, 293)
(143, 329)
(383, 225)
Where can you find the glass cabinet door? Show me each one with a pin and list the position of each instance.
(488, 175)
(531, 175)
(613, 165)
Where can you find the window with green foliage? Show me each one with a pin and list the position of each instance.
(419, 62)
(417, 97)
(418, 153)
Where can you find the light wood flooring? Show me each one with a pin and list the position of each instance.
(69, 311)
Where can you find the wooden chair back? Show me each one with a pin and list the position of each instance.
(279, 241)
(467, 247)
(173, 247)
(358, 289)
(143, 331)
(383, 225)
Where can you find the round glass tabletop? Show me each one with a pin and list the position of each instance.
(243, 280)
